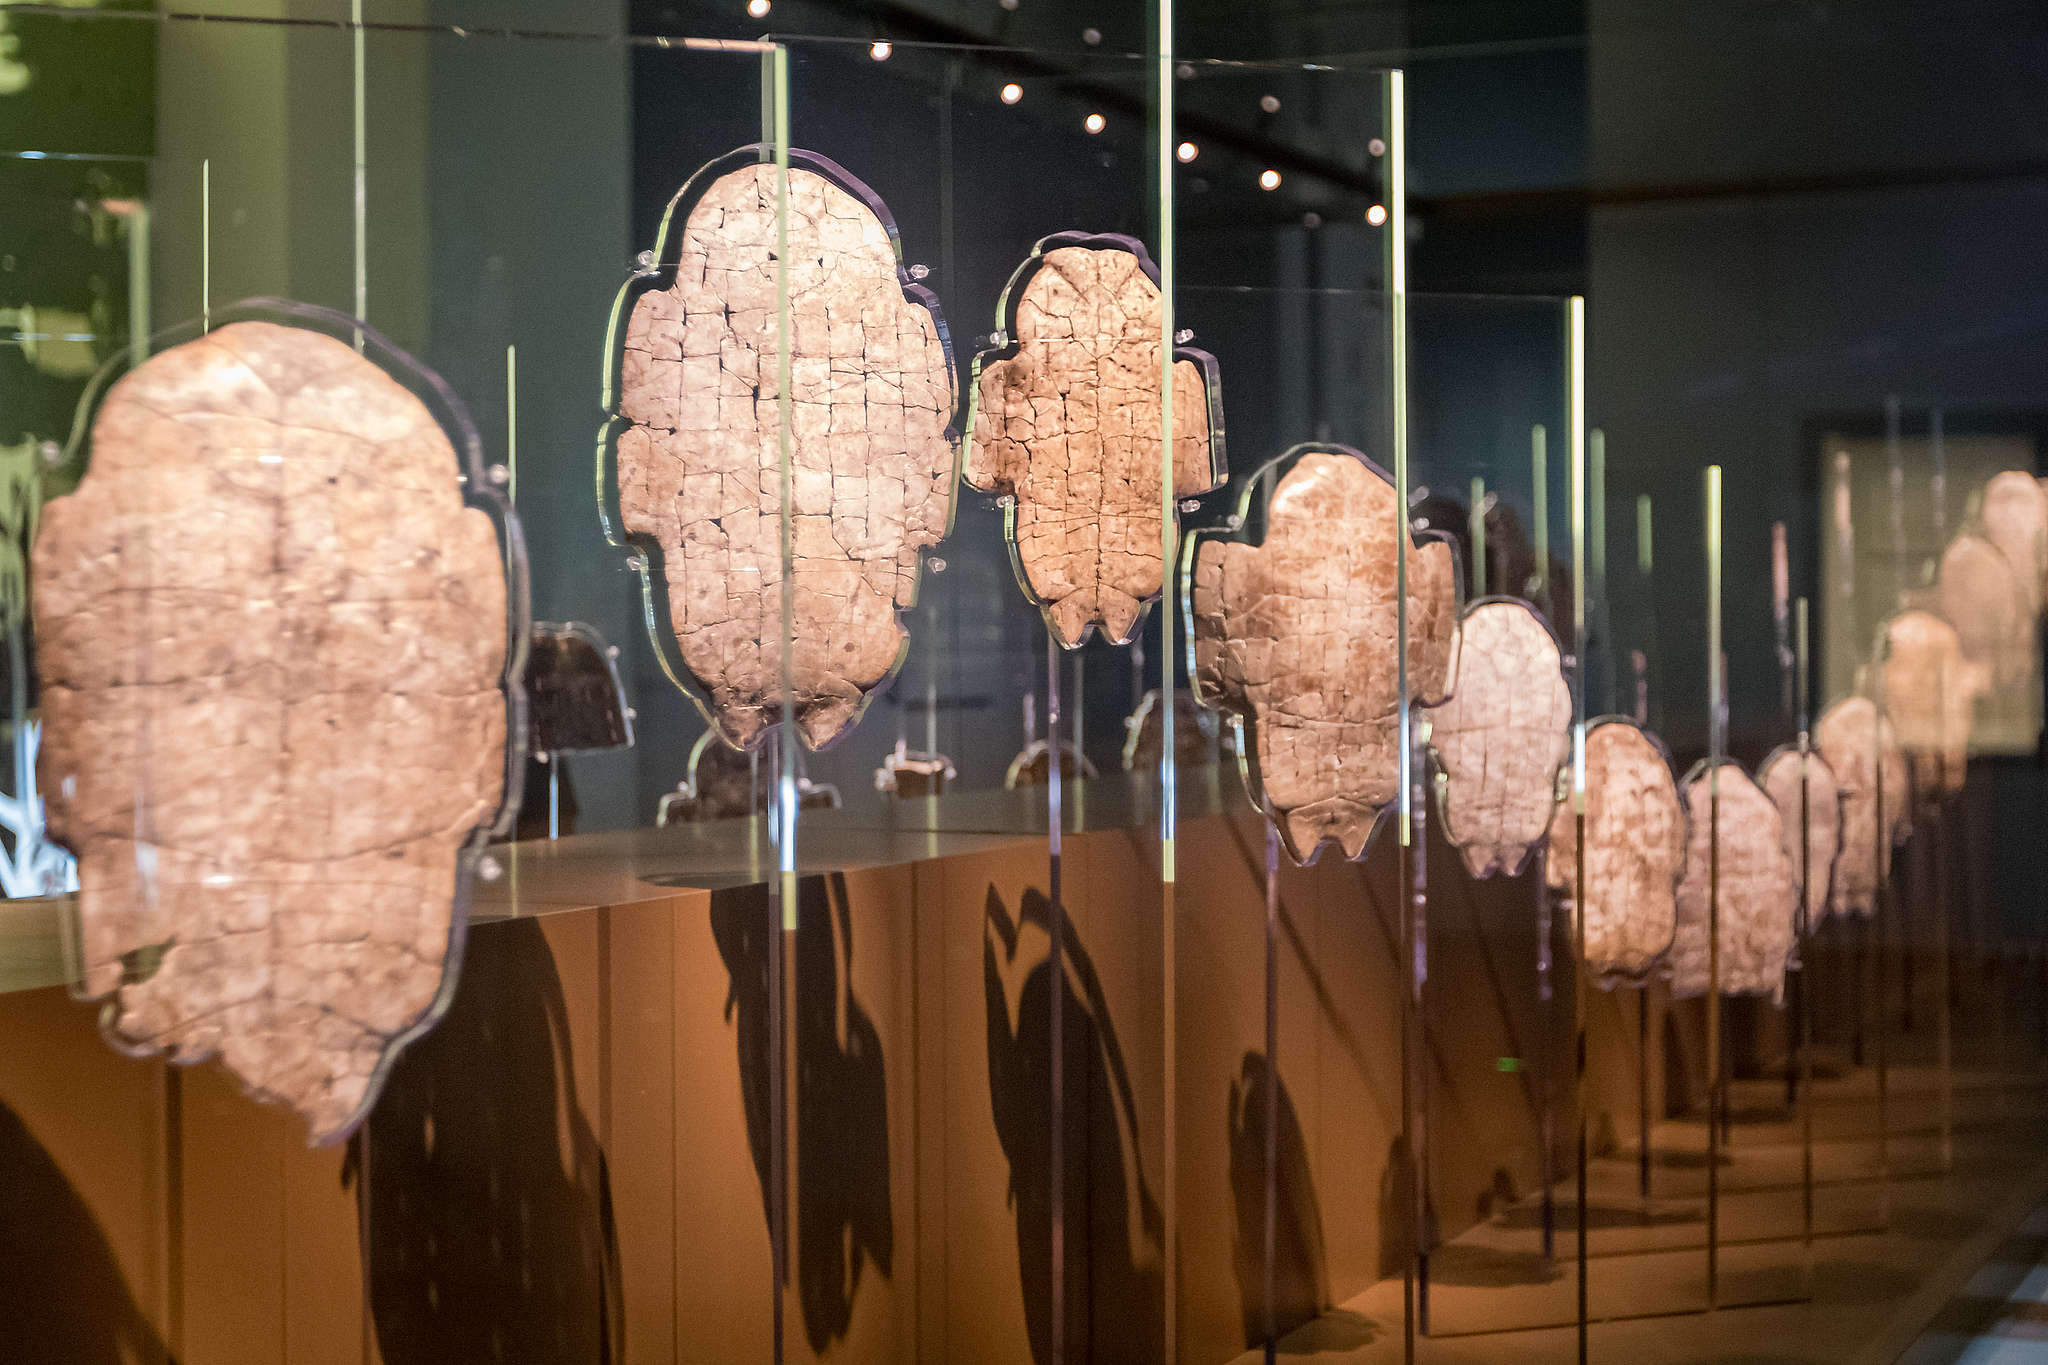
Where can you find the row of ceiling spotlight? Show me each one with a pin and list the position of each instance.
(881, 50)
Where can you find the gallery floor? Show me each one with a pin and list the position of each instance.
(1924, 1275)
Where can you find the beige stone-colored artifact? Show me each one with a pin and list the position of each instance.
(698, 441)
(1066, 422)
(1502, 736)
(1781, 781)
(1849, 735)
(1980, 596)
(272, 646)
(2016, 521)
(1930, 695)
(1296, 636)
(2042, 483)
(1756, 885)
(1635, 849)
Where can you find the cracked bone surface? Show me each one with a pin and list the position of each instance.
(2042, 483)
(1980, 596)
(1502, 736)
(1297, 636)
(272, 638)
(1635, 850)
(1781, 781)
(1757, 885)
(1930, 695)
(699, 471)
(1848, 737)
(1069, 426)
(2016, 520)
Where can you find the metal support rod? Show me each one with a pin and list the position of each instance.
(1916, 872)
(1408, 1282)
(1576, 351)
(1858, 944)
(782, 936)
(1164, 166)
(1643, 1093)
(1795, 1001)
(1539, 478)
(1476, 527)
(1717, 1097)
(1395, 240)
(1943, 1025)
(1805, 936)
(1876, 927)
(206, 264)
(1419, 901)
(1545, 1024)
(1056, 984)
(1272, 1086)
(778, 1080)
(1579, 1070)
(362, 174)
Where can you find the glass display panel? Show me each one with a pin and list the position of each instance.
(770, 1029)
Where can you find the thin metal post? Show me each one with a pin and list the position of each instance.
(1419, 901)
(1476, 524)
(512, 424)
(1643, 1093)
(1056, 984)
(206, 255)
(778, 1082)
(1717, 1098)
(1859, 936)
(1943, 1027)
(1545, 934)
(1272, 1085)
(1805, 938)
(1539, 475)
(785, 740)
(1395, 239)
(1576, 353)
(362, 175)
(1876, 927)
(1163, 153)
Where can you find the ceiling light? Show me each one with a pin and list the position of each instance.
(758, 8)
(1187, 151)
(1269, 180)
(1377, 147)
(1376, 215)
(1012, 93)
(1270, 103)
(1096, 123)
(880, 52)
(1091, 36)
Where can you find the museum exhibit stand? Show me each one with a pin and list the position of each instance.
(684, 699)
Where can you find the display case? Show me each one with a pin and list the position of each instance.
(1067, 812)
